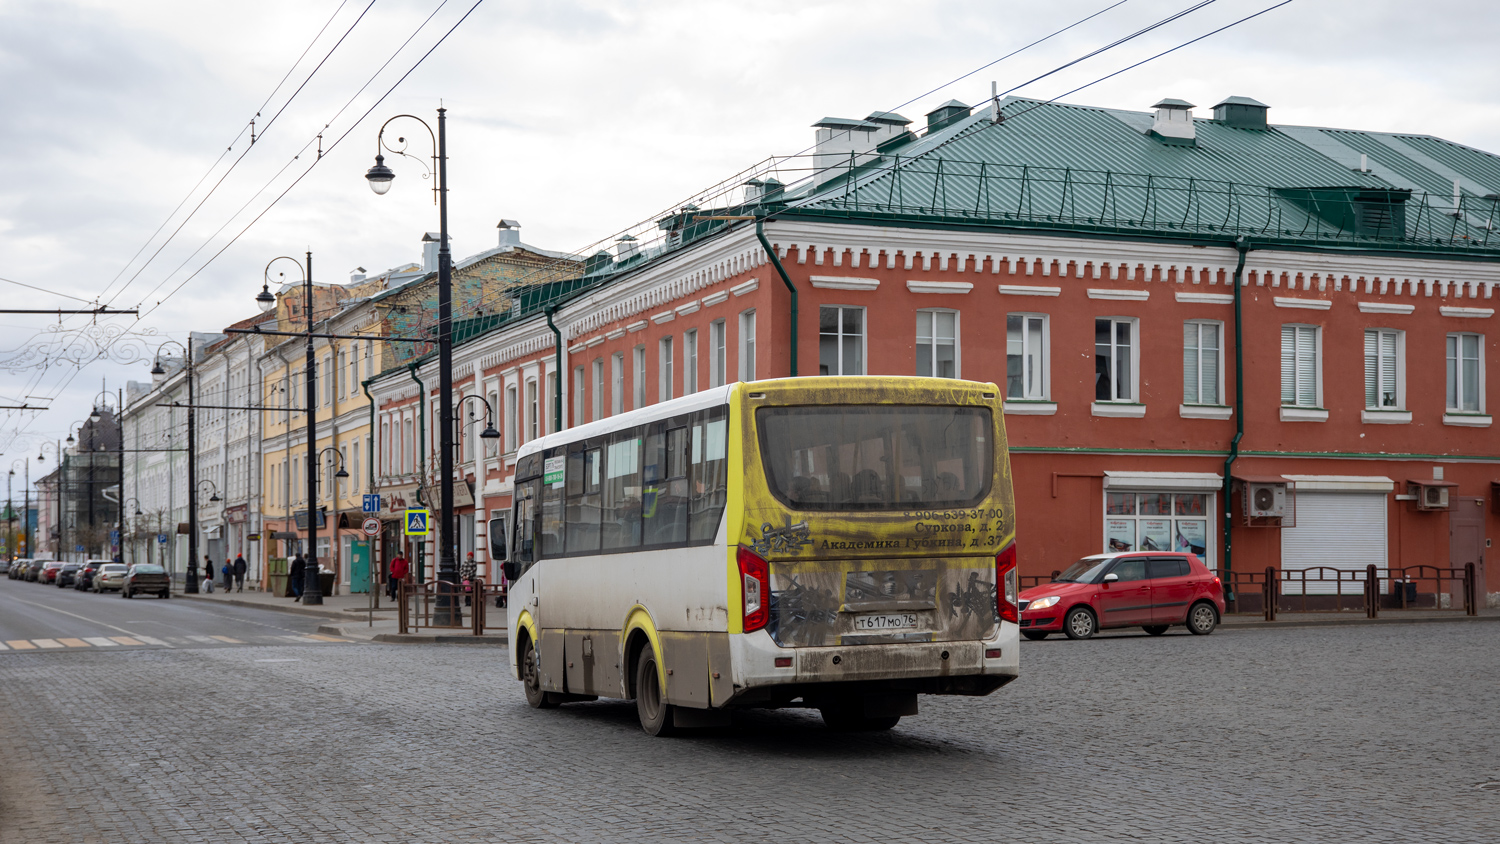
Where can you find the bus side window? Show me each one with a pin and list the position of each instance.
(524, 544)
(709, 487)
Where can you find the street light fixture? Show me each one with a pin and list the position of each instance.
(312, 593)
(380, 178)
(213, 497)
(190, 586)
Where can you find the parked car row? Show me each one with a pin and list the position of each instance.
(94, 576)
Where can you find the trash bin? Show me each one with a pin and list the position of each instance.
(1406, 589)
(325, 582)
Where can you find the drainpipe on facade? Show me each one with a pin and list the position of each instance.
(557, 392)
(421, 449)
(375, 582)
(1243, 246)
(760, 232)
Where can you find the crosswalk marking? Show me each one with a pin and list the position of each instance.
(61, 643)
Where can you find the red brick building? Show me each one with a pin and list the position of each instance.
(1084, 259)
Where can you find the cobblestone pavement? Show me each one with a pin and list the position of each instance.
(1360, 734)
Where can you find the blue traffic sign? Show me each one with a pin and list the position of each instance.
(372, 502)
(114, 537)
(417, 523)
(162, 538)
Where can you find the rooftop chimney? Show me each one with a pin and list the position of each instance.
(1242, 113)
(1174, 123)
(837, 137)
(946, 114)
(430, 252)
(510, 233)
(627, 248)
(357, 274)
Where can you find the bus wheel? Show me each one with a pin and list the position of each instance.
(1034, 635)
(655, 713)
(531, 679)
(1080, 624)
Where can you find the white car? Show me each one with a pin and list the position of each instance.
(110, 577)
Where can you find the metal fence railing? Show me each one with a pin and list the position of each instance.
(1369, 590)
(441, 605)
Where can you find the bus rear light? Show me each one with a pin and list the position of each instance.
(755, 580)
(783, 662)
(991, 653)
(1007, 590)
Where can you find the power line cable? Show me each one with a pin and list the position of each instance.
(241, 157)
(226, 151)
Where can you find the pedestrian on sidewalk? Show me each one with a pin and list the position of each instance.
(295, 575)
(239, 572)
(466, 573)
(398, 574)
(228, 574)
(208, 577)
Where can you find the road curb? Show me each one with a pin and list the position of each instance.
(411, 638)
(231, 602)
(1353, 622)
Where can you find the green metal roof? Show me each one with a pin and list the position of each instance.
(1079, 167)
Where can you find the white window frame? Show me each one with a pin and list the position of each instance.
(690, 362)
(1135, 360)
(717, 366)
(1219, 355)
(931, 315)
(617, 384)
(864, 334)
(600, 390)
(1045, 391)
(638, 377)
(664, 368)
(1210, 508)
(533, 410)
(578, 395)
(1479, 401)
(512, 418)
(748, 346)
(1315, 333)
(1399, 367)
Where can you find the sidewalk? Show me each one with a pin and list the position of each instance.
(350, 616)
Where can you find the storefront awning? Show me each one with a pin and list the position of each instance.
(1163, 480)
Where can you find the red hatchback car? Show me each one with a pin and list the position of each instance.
(1152, 590)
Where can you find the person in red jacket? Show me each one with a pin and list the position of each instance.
(399, 569)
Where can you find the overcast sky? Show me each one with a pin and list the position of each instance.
(576, 118)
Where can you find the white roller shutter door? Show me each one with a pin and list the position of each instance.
(1345, 530)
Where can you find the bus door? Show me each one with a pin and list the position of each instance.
(523, 553)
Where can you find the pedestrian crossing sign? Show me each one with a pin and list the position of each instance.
(417, 522)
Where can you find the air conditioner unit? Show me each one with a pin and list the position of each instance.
(1432, 498)
(1265, 500)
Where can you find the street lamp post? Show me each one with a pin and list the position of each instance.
(119, 460)
(380, 177)
(57, 487)
(312, 593)
(137, 515)
(190, 587)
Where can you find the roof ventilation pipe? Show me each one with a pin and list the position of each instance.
(430, 251)
(1174, 122)
(510, 233)
(843, 144)
(946, 115)
(1242, 113)
(628, 248)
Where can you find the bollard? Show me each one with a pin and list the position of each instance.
(1471, 590)
(1268, 594)
(403, 623)
(1372, 592)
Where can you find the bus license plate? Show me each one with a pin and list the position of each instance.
(886, 621)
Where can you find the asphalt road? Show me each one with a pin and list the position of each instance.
(1360, 734)
(38, 617)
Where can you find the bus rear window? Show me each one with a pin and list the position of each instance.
(877, 457)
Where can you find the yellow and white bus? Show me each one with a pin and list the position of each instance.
(838, 543)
